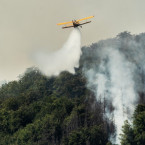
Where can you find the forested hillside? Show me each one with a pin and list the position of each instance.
(37, 110)
(80, 108)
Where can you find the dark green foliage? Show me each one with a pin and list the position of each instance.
(94, 135)
(139, 124)
(135, 134)
(127, 138)
(37, 110)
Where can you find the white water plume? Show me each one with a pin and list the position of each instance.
(65, 59)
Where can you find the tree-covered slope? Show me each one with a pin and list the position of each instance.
(37, 110)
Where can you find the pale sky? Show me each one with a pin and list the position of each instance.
(29, 25)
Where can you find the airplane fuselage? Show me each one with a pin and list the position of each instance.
(75, 23)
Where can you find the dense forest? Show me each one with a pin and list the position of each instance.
(61, 110)
(57, 110)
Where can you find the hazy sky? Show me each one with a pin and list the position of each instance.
(29, 25)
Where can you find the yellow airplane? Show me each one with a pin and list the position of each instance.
(75, 23)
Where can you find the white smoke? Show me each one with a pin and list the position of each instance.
(121, 87)
(114, 76)
(118, 86)
(65, 59)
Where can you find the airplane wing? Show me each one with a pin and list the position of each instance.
(64, 23)
(68, 26)
(85, 18)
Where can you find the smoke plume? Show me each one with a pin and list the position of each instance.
(65, 59)
(115, 71)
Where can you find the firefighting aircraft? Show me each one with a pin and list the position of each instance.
(75, 23)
